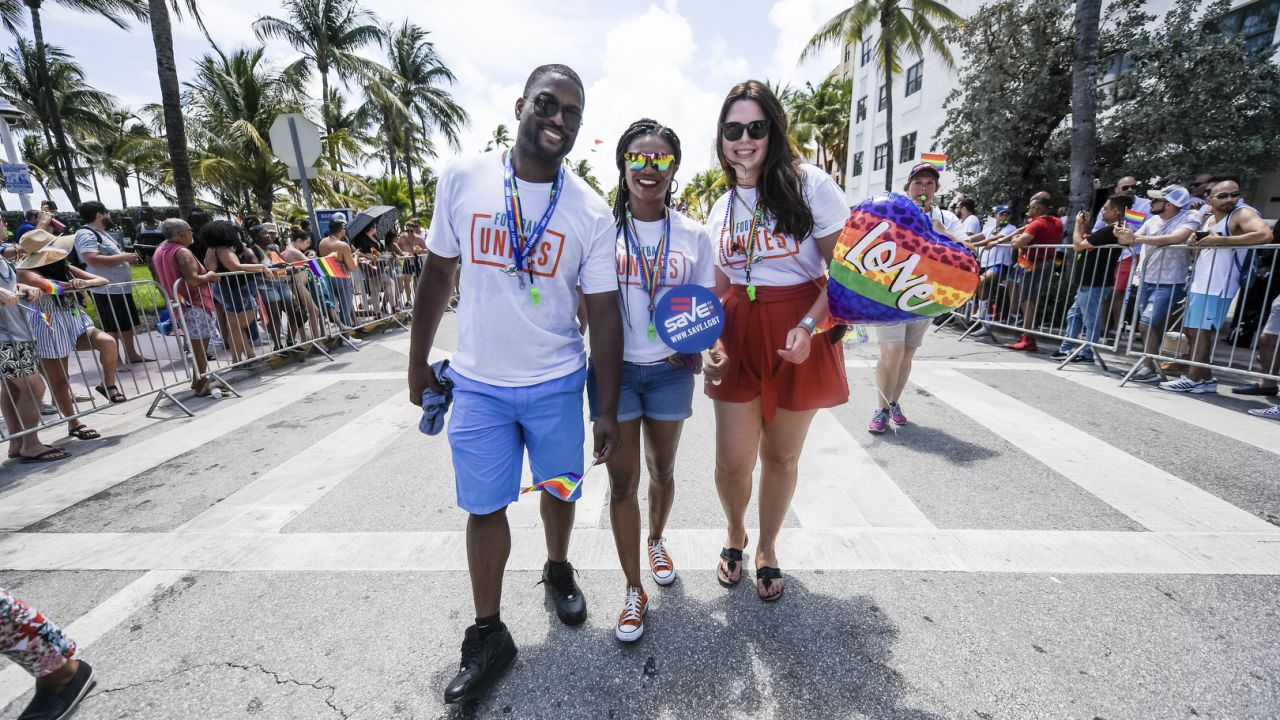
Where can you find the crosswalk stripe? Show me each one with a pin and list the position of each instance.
(903, 549)
(840, 485)
(1149, 495)
(24, 507)
(283, 493)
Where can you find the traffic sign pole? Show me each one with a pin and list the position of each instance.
(306, 182)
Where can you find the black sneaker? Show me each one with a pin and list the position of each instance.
(483, 660)
(1082, 358)
(57, 706)
(571, 604)
(1060, 355)
(1255, 389)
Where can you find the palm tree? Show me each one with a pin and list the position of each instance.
(414, 98)
(703, 190)
(327, 33)
(1084, 107)
(389, 190)
(905, 27)
(40, 160)
(113, 11)
(124, 147)
(501, 139)
(582, 169)
(175, 130)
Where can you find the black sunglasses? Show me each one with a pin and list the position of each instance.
(1225, 195)
(546, 107)
(756, 130)
(1127, 187)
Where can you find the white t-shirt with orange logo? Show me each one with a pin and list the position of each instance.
(689, 262)
(780, 261)
(503, 337)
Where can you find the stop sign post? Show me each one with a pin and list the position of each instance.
(296, 142)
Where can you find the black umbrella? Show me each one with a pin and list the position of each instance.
(384, 216)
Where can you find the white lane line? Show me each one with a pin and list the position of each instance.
(22, 508)
(287, 490)
(1235, 424)
(916, 549)
(841, 485)
(14, 681)
(857, 361)
(1149, 495)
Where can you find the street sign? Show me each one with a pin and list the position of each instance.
(17, 179)
(296, 174)
(308, 140)
(324, 217)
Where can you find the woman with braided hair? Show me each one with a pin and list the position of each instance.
(657, 249)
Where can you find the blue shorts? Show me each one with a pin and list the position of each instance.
(1206, 312)
(1156, 301)
(661, 391)
(490, 428)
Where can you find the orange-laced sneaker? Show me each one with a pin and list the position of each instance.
(631, 622)
(664, 571)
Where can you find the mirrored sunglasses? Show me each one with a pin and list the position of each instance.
(636, 161)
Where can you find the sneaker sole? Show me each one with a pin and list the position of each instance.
(904, 423)
(663, 581)
(628, 637)
(873, 431)
(89, 685)
(1204, 390)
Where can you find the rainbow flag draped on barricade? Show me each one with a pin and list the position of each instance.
(1134, 218)
(48, 287)
(327, 266)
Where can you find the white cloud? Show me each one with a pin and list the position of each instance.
(796, 21)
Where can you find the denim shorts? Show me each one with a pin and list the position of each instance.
(660, 391)
(1156, 301)
(1206, 312)
(491, 427)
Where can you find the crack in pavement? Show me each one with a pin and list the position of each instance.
(275, 676)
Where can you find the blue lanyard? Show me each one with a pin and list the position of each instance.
(522, 248)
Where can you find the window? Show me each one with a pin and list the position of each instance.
(915, 77)
(1254, 24)
(848, 50)
(866, 52)
(861, 113)
(908, 148)
(884, 98)
(857, 164)
(846, 77)
(882, 157)
(1115, 82)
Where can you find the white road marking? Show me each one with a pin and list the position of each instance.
(1149, 495)
(841, 485)
(906, 549)
(860, 361)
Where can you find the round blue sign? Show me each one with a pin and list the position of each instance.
(689, 318)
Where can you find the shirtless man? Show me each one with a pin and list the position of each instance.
(343, 288)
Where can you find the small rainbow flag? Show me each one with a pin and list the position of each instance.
(1134, 219)
(567, 487)
(938, 160)
(327, 266)
(48, 287)
(47, 318)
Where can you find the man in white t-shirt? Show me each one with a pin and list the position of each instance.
(525, 236)
(995, 260)
(1215, 279)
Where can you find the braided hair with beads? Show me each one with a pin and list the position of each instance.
(638, 129)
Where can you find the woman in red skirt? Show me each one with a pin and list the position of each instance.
(774, 232)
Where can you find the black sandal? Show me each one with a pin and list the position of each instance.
(111, 392)
(83, 433)
(50, 455)
(734, 557)
(767, 575)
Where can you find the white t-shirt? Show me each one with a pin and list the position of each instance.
(1166, 265)
(950, 222)
(503, 337)
(1218, 269)
(997, 255)
(972, 226)
(690, 261)
(780, 260)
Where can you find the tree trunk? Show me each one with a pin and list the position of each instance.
(171, 98)
(142, 200)
(1084, 84)
(122, 182)
(888, 111)
(408, 173)
(97, 195)
(324, 103)
(67, 173)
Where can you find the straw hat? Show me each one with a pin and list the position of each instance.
(50, 252)
(34, 241)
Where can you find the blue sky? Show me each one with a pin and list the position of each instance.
(672, 60)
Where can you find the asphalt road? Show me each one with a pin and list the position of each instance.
(1036, 544)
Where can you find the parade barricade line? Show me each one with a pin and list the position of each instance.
(81, 370)
(381, 292)
(1215, 315)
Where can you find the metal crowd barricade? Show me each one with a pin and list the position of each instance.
(383, 295)
(82, 370)
(1065, 310)
(1216, 315)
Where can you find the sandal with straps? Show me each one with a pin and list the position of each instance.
(83, 433)
(111, 392)
(767, 575)
(733, 556)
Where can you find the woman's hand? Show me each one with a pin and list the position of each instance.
(717, 363)
(797, 349)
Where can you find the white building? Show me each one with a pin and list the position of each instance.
(920, 92)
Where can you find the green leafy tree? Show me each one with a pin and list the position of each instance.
(582, 169)
(904, 28)
(175, 131)
(389, 190)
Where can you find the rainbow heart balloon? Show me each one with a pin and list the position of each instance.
(890, 267)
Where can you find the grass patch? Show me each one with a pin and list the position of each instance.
(148, 298)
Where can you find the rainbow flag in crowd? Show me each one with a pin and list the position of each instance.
(938, 160)
(1134, 219)
(48, 287)
(327, 266)
(567, 487)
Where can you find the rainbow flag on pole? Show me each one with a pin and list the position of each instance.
(48, 287)
(937, 160)
(1134, 218)
(567, 487)
(327, 266)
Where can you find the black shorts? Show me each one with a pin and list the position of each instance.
(116, 313)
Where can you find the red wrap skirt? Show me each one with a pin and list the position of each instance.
(753, 334)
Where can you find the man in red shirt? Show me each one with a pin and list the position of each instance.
(1035, 264)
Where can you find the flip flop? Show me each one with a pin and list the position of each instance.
(51, 455)
(734, 557)
(83, 433)
(767, 575)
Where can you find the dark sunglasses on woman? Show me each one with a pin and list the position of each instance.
(546, 107)
(756, 130)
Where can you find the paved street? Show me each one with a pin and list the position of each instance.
(1037, 544)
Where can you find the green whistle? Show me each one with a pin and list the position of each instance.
(751, 293)
(537, 296)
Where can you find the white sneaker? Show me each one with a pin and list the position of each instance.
(1271, 413)
(631, 621)
(660, 565)
(1187, 385)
